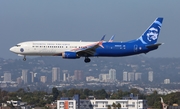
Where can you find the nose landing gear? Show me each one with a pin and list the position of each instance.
(24, 59)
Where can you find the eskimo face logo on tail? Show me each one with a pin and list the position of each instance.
(152, 34)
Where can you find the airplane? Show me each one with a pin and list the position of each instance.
(76, 49)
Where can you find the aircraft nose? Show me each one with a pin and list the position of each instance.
(12, 49)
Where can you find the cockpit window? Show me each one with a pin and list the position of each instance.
(17, 45)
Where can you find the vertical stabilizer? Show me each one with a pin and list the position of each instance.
(150, 36)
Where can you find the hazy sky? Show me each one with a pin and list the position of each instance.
(88, 20)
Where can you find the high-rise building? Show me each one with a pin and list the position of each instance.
(55, 74)
(150, 76)
(131, 76)
(36, 77)
(104, 77)
(7, 76)
(112, 74)
(167, 81)
(138, 76)
(24, 76)
(100, 77)
(19, 80)
(125, 76)
(78, 75)
(32, 77)
(65, 75)
(43, 79)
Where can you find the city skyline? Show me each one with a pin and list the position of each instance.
(37, 74)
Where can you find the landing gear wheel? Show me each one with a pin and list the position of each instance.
(24, 59)
(86, 60)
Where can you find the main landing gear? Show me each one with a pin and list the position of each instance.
(24, 59)
(86, 60)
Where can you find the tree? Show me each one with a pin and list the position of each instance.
(134, 91)
(86, 92)
(4, 96)
(118, 106)
(100, 94)
(114, 105)
(109, 107)
(55, 93)
(20, 92)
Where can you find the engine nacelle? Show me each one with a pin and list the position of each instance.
(70, 55)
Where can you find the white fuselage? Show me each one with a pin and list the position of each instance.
(48, 48)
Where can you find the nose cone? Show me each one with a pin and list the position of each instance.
(12, 49)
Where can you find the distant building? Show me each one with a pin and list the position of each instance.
(150, 76)
(138, 76)
(131, 76)
(43, 79)
(55, 74)
(24, 76)
(100, 77)
(19, 80)
(7, 76)
(91, 78)
(18, 105)
(65, 75)
(104, 77)
(166, 81)
(32, 77)
(112, 74)
(78, 75)
(125, 76)
(36, 77)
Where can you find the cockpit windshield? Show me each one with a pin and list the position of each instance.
(17, 45)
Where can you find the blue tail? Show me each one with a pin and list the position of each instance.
(150, 36)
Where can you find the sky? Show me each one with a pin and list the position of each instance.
(88, 20)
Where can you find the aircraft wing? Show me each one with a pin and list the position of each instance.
(89, 50)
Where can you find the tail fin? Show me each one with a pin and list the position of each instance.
(150, 36)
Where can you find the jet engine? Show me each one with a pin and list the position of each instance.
(69, 55)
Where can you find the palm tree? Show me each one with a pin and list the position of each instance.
(114, 105)
(118, 106)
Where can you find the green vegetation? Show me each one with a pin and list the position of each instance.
(40, 98)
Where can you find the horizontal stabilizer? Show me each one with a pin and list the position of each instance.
(154, 46)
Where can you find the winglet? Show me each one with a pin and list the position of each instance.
(111, 39)
(101, 41)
